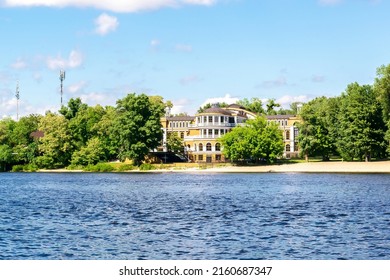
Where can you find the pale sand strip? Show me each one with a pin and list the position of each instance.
(312, 167)
(309, 167)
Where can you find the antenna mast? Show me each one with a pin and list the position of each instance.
(62, 78)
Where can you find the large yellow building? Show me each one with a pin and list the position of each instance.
(201, 133)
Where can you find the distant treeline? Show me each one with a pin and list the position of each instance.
(82, 135)
(354, 125)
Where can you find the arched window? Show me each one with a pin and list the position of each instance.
(288, 148)
(287, 134)
(217, 147)
(200, 147)
(208, 147)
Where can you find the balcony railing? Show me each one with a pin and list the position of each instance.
(213, 125)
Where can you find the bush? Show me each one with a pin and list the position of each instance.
(24, 168)
(17, 168)
(125, 167)
(146, 166)
(100, 167)
(30, 168)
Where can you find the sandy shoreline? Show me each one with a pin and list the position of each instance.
(312, 167)
(309, 167)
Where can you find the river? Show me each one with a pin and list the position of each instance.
(98, 216)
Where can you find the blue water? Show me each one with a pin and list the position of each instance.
(194, 216)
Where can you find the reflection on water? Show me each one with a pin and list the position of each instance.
(194, 216)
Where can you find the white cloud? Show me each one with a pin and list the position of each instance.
(37, 77)
(94, 98)
(155, 45)
(19, 64)
(227, 99)
(181, 105)
(110, 5)
(317, 78)
(189, 80)
(106, 24)
(183, 48)
(286, 100)
(74, 60)
(77, 87)
(279, 82)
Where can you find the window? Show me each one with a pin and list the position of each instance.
(204, 119)
(200, 147)
(296, 147)
(288, 148)
(222, 132)
(218, 157)
(216, 119)
(200, 157)
(216, 132)
(222, 119)
(217, 147)
(210, 133)
(296, 132)
(210, 119)
(287, 134)
(208, 147)
(182, 135)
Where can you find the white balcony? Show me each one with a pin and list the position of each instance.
(212, 125)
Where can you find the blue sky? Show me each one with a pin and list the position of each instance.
(188, 51)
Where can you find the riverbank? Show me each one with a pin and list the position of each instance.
(311, 167)
(305, 167)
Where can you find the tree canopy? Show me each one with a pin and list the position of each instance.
(256, 141)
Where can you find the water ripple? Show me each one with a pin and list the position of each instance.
(194, 216)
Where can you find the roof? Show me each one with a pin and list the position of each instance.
(181, 118)
(277, 117)
(236, 106)
(216, 110)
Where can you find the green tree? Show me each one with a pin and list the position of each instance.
(257, 140)
(90, 154)
(7, 126)
(209, 105)
(74, 106)
(254, 105)
(82, 125)
(5, 157)
(174, 143)
(382, 89)
(361, 126)
(107, 132)
(25, 149)
(56, 145)
(271, 105)
(315, 138)
(138, 126)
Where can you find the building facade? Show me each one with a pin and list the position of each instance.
(201, 133)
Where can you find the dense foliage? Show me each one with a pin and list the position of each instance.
(81, 135)
(256, 141)
(354, 125)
